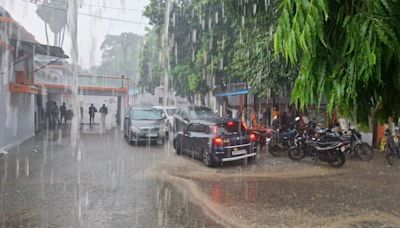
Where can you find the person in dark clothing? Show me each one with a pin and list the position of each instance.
(103, 112)
(63, 111)
(92, 111)
(266, 117)
(81, 114)
(284, 121)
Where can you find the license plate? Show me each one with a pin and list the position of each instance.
(152, 135)
(238, 152)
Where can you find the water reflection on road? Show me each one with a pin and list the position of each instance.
(120, 185)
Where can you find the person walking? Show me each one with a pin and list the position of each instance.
(92, 111)
(103, 111)
(63, 111)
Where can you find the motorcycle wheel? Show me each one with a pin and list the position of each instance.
(339, 160)
(296, 153)
(390, 156)
(274, 149)
(364, 152)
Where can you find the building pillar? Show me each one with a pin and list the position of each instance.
(119, 111)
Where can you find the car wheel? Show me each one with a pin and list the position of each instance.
(130, 138)
(177, 147)
(207, 160)
(130, 141)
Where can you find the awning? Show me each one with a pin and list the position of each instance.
(41, 48)
(233, 93)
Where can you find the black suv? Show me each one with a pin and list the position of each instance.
(216, 141)
(184, 116)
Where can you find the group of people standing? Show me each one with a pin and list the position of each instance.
(54, 114)
(270, 117)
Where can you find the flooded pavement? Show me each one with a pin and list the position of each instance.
(278, 192)
(43, 184)
(109, 183)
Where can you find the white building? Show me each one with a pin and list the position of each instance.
(20, 99)
(158, 98)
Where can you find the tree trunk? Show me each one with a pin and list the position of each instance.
(47, 34)
(203, 99)
(62, 37)
(55, 39)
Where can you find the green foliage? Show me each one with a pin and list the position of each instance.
(349, 53)
(150, 67)
(253, 59)
(120, 55)
(214, 43)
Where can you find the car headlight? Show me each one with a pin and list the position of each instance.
(135, 129)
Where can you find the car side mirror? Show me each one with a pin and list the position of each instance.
(164, 116)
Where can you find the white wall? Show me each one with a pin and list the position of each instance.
(16, 118)
(16, 109)
(98, 101)
(153, 99)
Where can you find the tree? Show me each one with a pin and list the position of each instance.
(54, 14)
(221, 42)
(120, 55)
(349, 54)
(150, 70)
(253, 60)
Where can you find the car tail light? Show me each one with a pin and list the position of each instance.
(218, 141)
(230, 124)
(253, 137)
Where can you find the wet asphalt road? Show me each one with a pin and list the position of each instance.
(104, 184)
(109, 183)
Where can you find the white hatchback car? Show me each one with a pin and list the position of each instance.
(169, 112)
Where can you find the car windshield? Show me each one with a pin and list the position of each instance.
(171, 111)
(146, 115)
(201, 113)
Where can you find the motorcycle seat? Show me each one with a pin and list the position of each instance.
(328, 144)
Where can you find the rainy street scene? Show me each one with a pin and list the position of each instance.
(200, 113)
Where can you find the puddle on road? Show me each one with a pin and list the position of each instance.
(253, 196)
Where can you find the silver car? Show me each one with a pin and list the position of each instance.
(144, 124)
(169, 112)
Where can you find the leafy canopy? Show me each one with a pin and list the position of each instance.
(348, 51)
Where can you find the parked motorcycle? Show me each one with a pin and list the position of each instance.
(327, 151)
(261, 133)
(357, 148)
(283, 139)
(392, 149)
